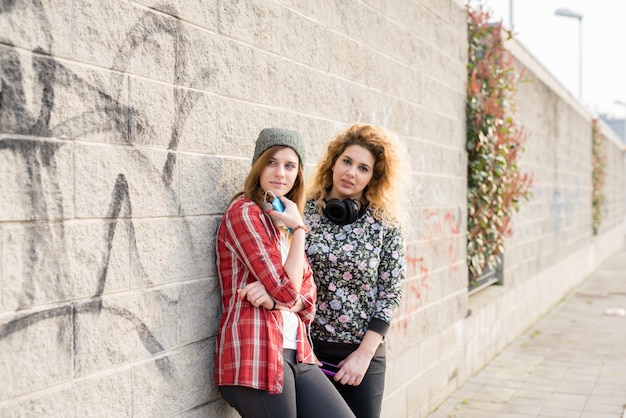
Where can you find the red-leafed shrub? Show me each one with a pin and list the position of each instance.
(495, 140)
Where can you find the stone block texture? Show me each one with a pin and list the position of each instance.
(126, 127)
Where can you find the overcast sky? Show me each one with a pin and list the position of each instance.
(554, 41)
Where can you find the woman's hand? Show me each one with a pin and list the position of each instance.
(257, 295)
(353, 368)
(290, 216)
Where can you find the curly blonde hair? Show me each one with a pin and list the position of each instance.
(381, 192)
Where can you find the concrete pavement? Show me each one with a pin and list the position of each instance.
(571, 364)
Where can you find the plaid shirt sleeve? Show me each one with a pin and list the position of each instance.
(256, 245)
(308, 293)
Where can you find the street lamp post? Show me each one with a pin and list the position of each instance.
(569, 13)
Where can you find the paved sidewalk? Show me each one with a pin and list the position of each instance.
(571, 364)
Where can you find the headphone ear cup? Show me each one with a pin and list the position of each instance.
(341, 212)
(335, 210)
(352, 211)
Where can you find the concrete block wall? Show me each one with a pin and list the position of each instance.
(614, 205)
(125, 128)
(552, 250)
(557, 221)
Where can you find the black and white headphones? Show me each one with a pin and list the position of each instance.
(343, 212)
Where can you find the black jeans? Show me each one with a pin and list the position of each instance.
(366, 399)
(307, 393)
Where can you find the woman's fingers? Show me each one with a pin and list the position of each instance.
(255, 293)
(349, 373)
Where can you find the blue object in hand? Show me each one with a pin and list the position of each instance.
(278, 205)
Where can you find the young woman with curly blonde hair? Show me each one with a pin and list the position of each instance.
(356, 250)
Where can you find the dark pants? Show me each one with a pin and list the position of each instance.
(366, 399)
(307, 393)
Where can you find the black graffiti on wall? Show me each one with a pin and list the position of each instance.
(19, 116)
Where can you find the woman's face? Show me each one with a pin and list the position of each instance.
(281, 172)
(352, 172)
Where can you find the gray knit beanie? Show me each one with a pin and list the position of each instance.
(270, 137)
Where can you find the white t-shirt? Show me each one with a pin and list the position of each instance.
(290, 319)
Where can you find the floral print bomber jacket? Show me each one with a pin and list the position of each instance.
(359, 270)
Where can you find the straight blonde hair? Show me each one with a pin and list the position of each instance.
(252, 185)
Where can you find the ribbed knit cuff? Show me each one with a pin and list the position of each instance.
(379, 326)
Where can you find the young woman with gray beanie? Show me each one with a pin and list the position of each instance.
(265, 366)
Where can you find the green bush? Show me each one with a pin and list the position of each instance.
(598, 162)
(494, 143)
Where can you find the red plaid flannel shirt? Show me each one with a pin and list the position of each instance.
(250, 340)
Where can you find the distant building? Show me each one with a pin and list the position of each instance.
(617, 125)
